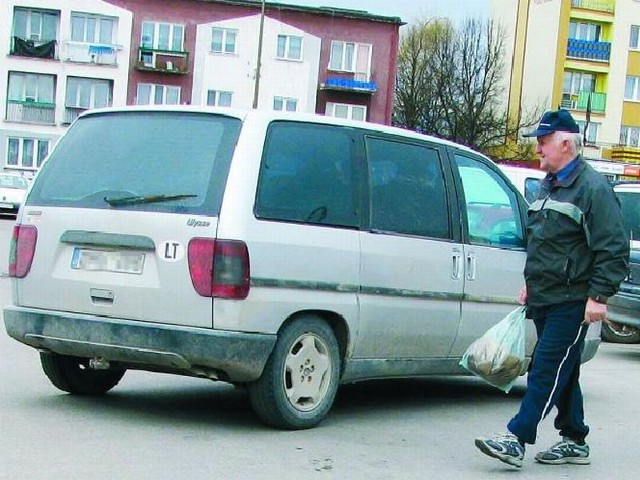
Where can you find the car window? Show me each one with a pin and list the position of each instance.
(630, 204)
(531, 187)
(408, 193)
(181, 158)
(493, 215)
(308, 175)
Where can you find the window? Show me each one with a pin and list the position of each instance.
(584, 31)
(631, 90)
(344, 110)
(491, 207)
(88, 93)
(630, 136)
(162, 36)
(223, 40)
(289, 47)
(351, 57)
(91, 28)
(218, 98)
(37, 25)
(307, 175)
(151, 94)
(286, 104)
(576, 82)
(23, 152)
(407, 189)
(31, 87)
(592, 130)
(633, 37)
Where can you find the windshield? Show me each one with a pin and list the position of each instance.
(153, 161)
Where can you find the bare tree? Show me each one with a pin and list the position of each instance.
(450, 85)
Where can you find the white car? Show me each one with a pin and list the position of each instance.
(13, 189)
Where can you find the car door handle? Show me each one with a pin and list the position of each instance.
(456, 271)
(471, 266)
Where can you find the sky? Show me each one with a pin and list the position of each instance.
(407, 10)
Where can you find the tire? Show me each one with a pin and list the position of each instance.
(306, 352)
(73, 375)
(617, 333)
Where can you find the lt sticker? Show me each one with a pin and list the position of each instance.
(171, 251)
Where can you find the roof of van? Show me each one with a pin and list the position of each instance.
(533, 172)
(278, 115)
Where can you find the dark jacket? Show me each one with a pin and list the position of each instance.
(577, 245)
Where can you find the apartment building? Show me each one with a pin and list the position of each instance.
(66, 57)
(59, 59)
(582, 55)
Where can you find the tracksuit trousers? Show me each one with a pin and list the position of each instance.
(553, 379)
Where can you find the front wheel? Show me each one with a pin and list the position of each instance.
(300, 380)
(73, 374)
(618, 333)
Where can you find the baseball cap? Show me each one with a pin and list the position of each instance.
(555, 121)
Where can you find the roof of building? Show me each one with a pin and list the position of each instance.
(326, 11)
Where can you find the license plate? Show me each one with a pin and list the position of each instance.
(107, 261)
(6, 205)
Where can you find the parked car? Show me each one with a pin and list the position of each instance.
(285, 252)
(13, 189)
(623, 325)
(623, 319)
(526, 180)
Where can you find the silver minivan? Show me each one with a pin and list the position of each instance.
(284, 252)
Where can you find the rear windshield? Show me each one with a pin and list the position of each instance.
(152, 161)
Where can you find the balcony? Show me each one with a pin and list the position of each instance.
(71, 113)
(580, 101)
(597, 5)
(99, 54)
(589, 50)
(164, 61)
(349, 85)
(22, 47)
(26, 111)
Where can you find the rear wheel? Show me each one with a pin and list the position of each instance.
(73, 374)
(618, 333)
(300, 380)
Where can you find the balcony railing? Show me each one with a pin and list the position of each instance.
(100, 54)
(349, 85)
(166, 61)
(581, 101)
(598, 5)
(31, 112)
(71, 113)
(23, 47)
(589, 50)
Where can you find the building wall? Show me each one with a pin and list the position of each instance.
(323, 23)
(282, 78)
(61, 66)
(545, 60)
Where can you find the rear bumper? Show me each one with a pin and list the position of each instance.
(229, 356)
(624, 308)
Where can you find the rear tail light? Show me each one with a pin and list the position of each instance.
(22, 249)
(219, 268)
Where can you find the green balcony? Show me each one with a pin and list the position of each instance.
(598, 101)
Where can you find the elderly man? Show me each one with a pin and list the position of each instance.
(577, 256)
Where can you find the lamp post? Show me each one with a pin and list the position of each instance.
(256, 89)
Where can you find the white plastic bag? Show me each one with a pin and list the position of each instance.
(498, 356)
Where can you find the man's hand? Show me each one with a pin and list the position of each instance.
(522, 295)
(595, 311)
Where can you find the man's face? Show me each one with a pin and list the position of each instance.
(553, 152)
